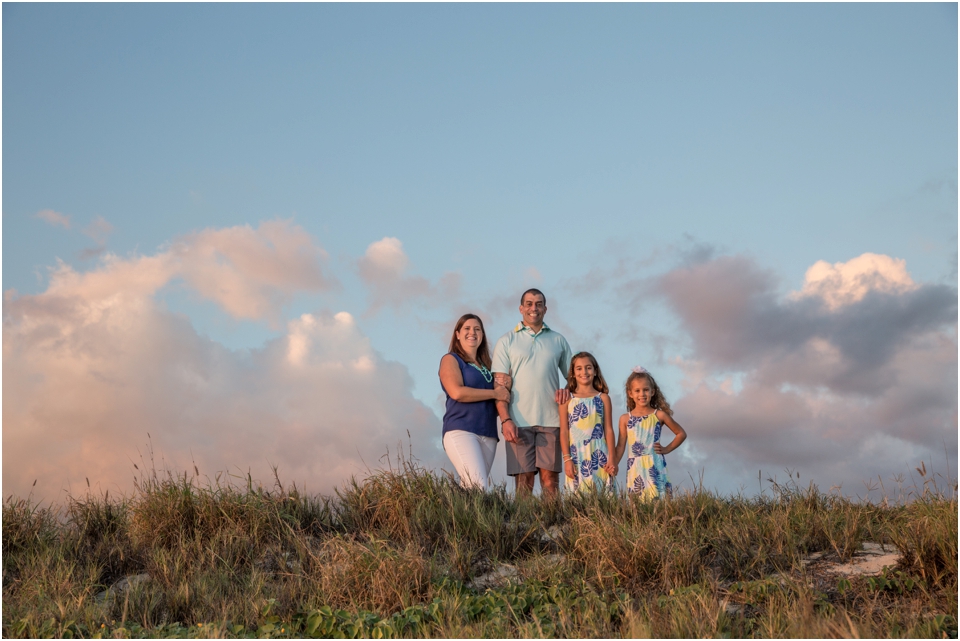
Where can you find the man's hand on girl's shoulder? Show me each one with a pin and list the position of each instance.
(562, 397)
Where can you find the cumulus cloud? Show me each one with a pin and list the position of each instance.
(853, 376)
(94, 364)
(54, 218)
(844, 283)
(383, 268)
(249, 272)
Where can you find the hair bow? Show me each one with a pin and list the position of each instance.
(639, 370)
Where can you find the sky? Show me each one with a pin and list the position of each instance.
(236, 237)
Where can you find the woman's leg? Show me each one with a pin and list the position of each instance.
(467, 456)
(489, 446)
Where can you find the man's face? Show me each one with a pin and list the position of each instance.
(533, 308)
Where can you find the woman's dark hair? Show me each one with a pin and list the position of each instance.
(598, 383)
(483, 352)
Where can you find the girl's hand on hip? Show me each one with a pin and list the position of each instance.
(658, 449)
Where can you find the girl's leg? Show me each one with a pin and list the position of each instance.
(466, 454)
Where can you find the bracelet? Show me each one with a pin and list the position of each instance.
(567, 458)
(504, 420)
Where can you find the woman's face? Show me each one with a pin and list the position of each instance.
(470, 335)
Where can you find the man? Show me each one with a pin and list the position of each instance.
(533, 355)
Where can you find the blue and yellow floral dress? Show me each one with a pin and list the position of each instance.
(588, 445)
(646, 470)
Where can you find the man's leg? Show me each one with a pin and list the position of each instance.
(549, 483)
(522, 460)
(549, 460)
(525, 483)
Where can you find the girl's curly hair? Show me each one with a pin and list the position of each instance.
(658, 402)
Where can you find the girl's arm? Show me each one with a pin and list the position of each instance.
(622, 443)
(452, 382)
(568, 468)
(679, 434)
(611, 466)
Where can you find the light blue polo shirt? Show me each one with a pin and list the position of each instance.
(535, 362)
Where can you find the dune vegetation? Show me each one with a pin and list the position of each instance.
(408, 553)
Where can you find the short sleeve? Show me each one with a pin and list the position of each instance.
(566, 354)
(501, 358)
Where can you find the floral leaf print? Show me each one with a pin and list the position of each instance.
(598, 405)
(637, 449)
(638, 484)
(585, 470)
(597, 433)
(656, 431)
(630, 461)
(598, 459)
(579, 411)
(655, 476)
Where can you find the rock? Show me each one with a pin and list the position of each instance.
(121, 587)
(552, 534)
(499, 577)
(815, 556)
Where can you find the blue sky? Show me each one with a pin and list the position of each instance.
(594, 151)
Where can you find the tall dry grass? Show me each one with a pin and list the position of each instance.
(398, 554)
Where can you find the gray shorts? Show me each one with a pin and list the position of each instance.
(536, 448)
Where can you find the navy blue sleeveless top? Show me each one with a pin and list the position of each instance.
(480, 417)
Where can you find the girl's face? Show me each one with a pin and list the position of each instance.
(584, 372)
(470, 335)
(641, 392)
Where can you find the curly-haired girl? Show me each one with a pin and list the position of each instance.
(647, 413)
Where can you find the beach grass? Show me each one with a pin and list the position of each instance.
(408, 553)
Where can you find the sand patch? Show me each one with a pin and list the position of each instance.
(870, 559)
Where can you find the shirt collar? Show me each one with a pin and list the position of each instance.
(520, 327)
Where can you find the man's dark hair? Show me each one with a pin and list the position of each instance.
(533, 290)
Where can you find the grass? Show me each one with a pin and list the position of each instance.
(397, 554)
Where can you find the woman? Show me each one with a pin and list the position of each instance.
(470, 422)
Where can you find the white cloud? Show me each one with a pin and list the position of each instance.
(853, 377)
(94, 364)
(54, 218)
(249, 272)
(844, 283)
(383, 268)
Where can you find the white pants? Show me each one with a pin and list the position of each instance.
(472, 455)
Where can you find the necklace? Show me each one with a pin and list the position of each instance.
(487, 376)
